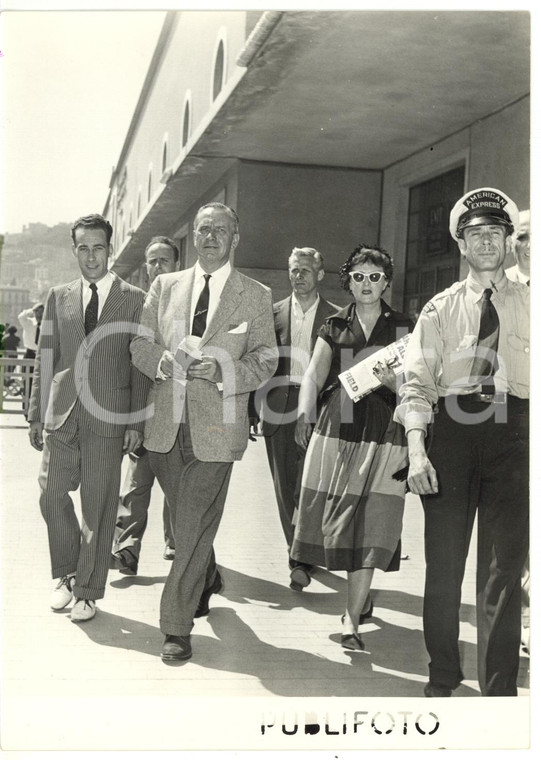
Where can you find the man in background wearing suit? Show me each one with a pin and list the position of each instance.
(296, 321)
(200, 422)
(85, 396)
(161, 257)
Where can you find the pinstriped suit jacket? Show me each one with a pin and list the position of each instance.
(96, 368)
(240, 335)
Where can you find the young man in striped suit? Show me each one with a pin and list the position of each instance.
(85, 397)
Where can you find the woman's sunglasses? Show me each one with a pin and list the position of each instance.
(372, 276)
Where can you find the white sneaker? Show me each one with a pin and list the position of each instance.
(83, 609)
(62, 593)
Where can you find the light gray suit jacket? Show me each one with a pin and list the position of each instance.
(96, 369)
(240, 335)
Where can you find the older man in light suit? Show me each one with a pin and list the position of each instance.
(199, 425)
(89, 399)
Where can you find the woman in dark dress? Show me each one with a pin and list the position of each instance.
(350, 509)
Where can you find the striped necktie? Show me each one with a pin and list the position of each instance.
(91, 311)
(201, 310)
(485, 362)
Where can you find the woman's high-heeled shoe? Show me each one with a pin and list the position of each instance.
(367, 615)
(352, 641)
(364, 615)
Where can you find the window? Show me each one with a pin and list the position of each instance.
(164, 156)
(219, 70)
(186, 122)
(432, 257)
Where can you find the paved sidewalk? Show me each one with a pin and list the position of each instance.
(261, 639)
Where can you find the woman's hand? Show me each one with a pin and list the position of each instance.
(303, 432)
(385, 375)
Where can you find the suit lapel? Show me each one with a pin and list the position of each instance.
(282, 322)
(230, 299)
(74, 306)
(181, 297)
(114, 300)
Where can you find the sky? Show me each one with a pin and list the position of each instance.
(69, 82)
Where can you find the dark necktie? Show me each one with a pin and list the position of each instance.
(201, 310)
(91, 311)
(36, 336)
(485, 362)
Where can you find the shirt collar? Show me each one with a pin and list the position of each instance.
(297, 305)
(103, 284)
(476, 290)
(219, 276)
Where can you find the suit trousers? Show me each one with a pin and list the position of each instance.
(482, 471)
(133, 504)
(74, 456)
(196, 492)
(286, 461)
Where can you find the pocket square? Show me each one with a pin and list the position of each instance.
(239, 329)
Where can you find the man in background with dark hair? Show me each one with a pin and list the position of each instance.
(162, 256)
(89, 401)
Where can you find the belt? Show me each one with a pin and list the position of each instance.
(490, 398)
(294, 385)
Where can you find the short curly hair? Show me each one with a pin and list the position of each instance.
(366, 253)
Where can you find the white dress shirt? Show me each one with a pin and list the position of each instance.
(302, 323)
(103, 286)
(216, 285)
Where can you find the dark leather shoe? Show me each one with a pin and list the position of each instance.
(125, 562)
(352, 641)
(437, 690)
(216, 588)
(299, 578)
(176, 648)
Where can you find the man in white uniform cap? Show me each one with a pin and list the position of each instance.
(467, 378)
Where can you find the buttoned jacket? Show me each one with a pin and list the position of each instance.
(94, 369)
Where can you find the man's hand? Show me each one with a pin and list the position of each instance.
(207, 368)
(35, 433)
(254, 429)
(303, 432)
(132, 440)
(422, 478)
(167, 364)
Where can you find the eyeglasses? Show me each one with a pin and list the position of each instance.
(372, 276)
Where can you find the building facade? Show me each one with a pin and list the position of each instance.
(325, 129)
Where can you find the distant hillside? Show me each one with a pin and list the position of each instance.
(38, 258)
